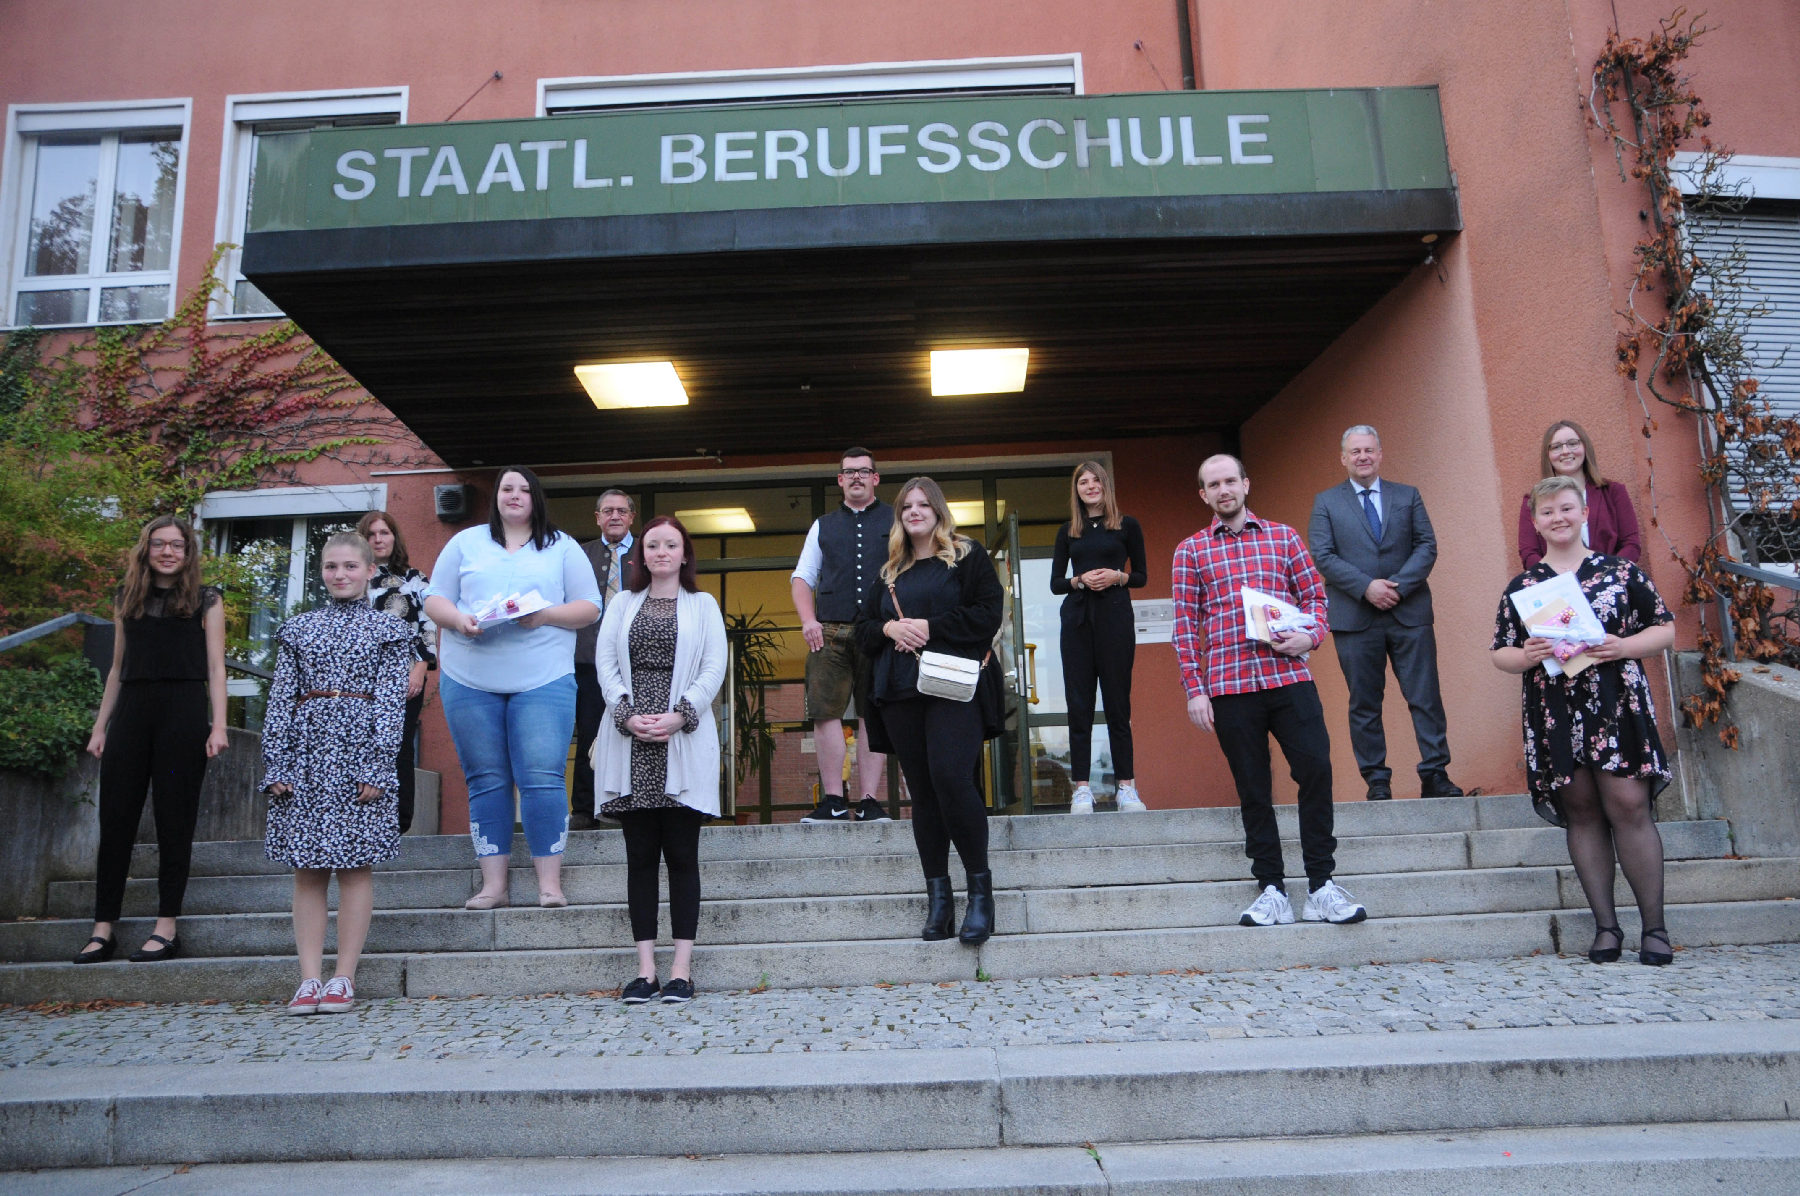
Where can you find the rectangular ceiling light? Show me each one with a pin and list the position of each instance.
(717, 521)
(978, 371)
(970, 512)
(632, 384)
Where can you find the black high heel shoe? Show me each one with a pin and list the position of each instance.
(170, 949)
(1607, 954)
(1655, 959)
(107, 948)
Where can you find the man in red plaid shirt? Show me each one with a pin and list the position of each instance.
(1244, 690)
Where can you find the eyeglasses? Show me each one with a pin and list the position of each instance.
(168, 546)
(1557, 446)
(855, 474)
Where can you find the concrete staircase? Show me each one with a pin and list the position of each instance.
(802, 906)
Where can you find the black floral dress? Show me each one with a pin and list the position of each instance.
(323, 747)
(403, 596)
(1603, 717)
(651, 643)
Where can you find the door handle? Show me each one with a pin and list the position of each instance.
(1031, 693)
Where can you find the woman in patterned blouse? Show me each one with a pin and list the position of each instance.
(330, 738)
(1593, 757)
(399, 590)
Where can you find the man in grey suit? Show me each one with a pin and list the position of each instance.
(1373, 542)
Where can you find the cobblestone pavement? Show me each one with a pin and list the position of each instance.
(1704, 984)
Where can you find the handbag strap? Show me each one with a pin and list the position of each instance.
(989, 655)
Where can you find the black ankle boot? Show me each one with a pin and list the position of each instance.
(940, 917)
(978, 920)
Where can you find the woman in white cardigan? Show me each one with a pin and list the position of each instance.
(660, 658)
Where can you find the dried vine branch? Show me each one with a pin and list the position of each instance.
(1684, 346)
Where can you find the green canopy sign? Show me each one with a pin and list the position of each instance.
(816, 155)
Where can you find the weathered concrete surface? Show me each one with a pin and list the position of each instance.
(1757, 785)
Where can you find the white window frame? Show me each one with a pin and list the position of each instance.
(899, 78)
(295, 503)
(27, 122)
(243, 113)
(1760, 177)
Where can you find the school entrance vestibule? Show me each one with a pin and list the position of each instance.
(748, 533)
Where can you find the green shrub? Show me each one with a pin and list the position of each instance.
(46, 715)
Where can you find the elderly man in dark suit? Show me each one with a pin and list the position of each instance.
(608, 553)
(1373, 542)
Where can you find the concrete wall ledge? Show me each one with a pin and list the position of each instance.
(1752, 786)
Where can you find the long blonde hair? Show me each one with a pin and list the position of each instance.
(183, 596)
(947, 546)
(1109, 502)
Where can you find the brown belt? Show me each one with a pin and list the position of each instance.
(310, 694)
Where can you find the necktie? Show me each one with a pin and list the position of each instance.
(612, 578)
(1371, 514)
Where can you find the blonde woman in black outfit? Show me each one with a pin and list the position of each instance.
(1105, 551)
(938, 592)
(161, 719)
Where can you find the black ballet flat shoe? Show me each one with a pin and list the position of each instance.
(107, 948)
(170, 949)
(1607, 954)
(1655, 959)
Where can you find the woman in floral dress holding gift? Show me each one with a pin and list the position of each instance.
(1593, 757)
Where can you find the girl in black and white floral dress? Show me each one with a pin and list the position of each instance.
(330, 737)
(1593, 757)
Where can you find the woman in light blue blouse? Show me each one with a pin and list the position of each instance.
(508, 686)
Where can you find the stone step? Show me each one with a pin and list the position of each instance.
(891, 916)
(970, 1098)
(898, 872)
(1033, 832)
(740, 966)
(1747, 1158)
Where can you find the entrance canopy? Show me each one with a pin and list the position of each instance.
(1169, 259)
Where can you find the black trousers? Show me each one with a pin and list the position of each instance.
(938, 744)
(590, 707)
(408, 759)
(1099, 645)
(656, 836)
(1294, 716)
(1364, 656)
(156, 743)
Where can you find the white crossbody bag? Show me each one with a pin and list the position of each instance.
(942, 674)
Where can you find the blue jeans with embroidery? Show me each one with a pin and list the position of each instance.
(508, 740)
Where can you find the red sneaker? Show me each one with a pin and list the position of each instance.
(338, 997)
(306, 998)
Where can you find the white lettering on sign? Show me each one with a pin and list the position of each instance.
(731, 156)
(1234, 126)
(445, 168)
(347, 167)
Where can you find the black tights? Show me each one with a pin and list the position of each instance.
(652, 836)
(938, 744)
(1609, 817)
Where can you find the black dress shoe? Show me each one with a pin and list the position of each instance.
(1437, 784)
(1380, 791)
(1606, 954)
(169, 950)
(583, 822)
(107, 947)
(1651, 958)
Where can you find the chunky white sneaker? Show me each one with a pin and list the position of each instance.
(1129, 801)
(306, 998)
(1082, 801)
(1330, 903)
(338, 996)
(1270, 909)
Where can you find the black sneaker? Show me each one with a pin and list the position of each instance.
(870, 810)
(831, 808)
(678, 992)
(642, 991)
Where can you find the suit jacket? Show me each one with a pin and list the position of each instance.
(1347, 554)
(600, 556)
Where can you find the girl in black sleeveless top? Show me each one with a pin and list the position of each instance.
(161, 719)
(1103, 551)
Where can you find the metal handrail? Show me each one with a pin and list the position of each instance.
(1767, 577)
(51, 627)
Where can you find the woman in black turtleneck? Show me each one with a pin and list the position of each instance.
(1101, 552)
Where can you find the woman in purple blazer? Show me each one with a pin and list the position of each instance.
(1612, 524)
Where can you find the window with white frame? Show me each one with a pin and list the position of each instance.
(1052, 74)
(95, 192)
(248, 120)
(276, 536)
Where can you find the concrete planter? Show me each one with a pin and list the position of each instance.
(1753, 786)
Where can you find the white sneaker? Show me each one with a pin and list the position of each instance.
(1082, 802)
(1270, 909)
(1129, 801)
(1331, 904)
